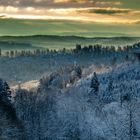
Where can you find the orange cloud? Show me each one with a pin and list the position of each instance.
(65, 1)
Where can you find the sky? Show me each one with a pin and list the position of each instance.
(98, 18)
(122, 12)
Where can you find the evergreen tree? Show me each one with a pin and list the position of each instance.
(5, 92)
(108, 96)
(95, 83)
(78, 71)
(110, 84)
(78, 48)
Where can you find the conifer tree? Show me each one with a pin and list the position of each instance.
(5, 92)
(110, 84)
(95, 83)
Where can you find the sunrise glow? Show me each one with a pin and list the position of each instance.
(86, 10)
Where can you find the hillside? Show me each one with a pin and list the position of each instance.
(78, 112)
(26, 65)
(60, 42)
(87, 93)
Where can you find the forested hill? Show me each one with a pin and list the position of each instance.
(82, 104)
(59, 42)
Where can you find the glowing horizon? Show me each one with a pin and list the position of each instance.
(70, 17)
(103, 11)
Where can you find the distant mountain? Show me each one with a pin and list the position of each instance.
(59, 42)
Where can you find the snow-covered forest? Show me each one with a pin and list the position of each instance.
(88, 93)
(26, 65)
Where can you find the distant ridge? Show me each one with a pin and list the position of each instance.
(70, 36)
(60, 42)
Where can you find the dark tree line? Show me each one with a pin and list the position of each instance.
(105, 49)
(79, 49)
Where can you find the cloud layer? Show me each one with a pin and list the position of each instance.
(123, 11)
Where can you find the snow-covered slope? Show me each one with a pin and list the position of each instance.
(27, 85)
(76, 112)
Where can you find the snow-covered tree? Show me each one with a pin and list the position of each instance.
(110, 85)
(78, 71)
(94, 83)
(5, 92)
